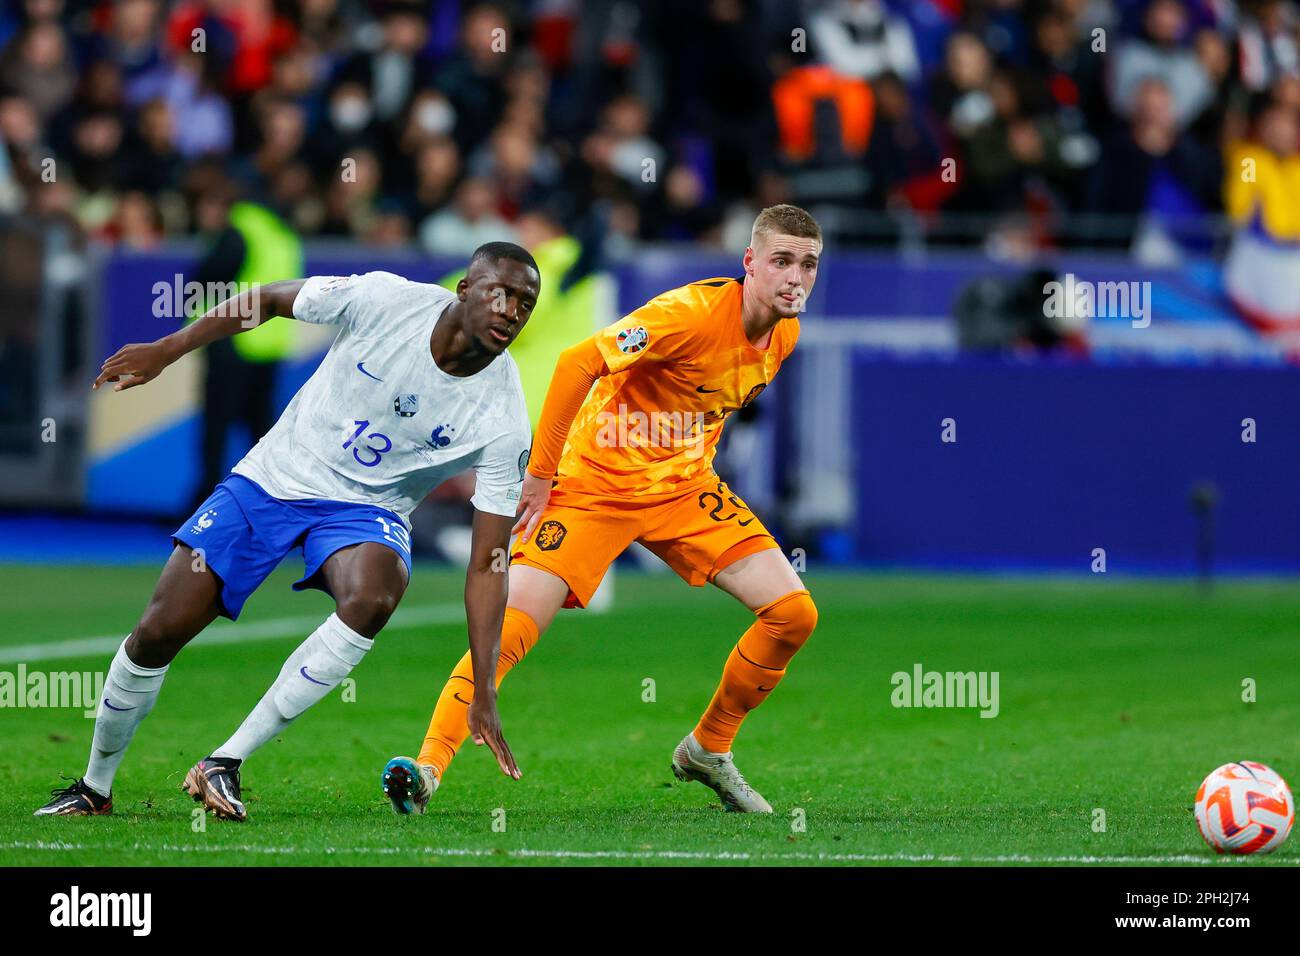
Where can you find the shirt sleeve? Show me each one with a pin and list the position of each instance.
(576, 371)
(656, 332)
(499, 474)
(340, 300)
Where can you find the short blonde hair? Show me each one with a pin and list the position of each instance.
(784, 220)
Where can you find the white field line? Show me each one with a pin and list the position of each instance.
(224, 632)
(57, 846)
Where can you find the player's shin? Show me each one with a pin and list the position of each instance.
(448, 728)
(318, 666)
(757, 663)
(129, 694)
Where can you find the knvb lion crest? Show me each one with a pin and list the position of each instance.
(550, 535)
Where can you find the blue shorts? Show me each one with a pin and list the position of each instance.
(244, 533)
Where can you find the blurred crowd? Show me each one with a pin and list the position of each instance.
(438, 122)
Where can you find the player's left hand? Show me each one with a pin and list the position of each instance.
(133, 365)
(532, 502)
(485, 728)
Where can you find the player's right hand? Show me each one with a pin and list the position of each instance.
(532, 502)
(485, 728)
(133, 365)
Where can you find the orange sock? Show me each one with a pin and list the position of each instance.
(448, 728)
(757, 663)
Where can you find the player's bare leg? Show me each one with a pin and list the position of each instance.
(765, 583)
(367, 581)
(535, 598)
(185, 601)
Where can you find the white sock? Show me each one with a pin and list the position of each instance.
(328, 656)
(129, 695)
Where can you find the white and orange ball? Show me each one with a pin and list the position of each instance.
(1244, 807)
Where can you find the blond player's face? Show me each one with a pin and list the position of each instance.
(783, 269)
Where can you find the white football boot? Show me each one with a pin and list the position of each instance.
(717, 772)
(409, 785)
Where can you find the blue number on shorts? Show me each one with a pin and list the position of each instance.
(377, 452)
(395, 533)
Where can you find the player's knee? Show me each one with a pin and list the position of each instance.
(154, 641)
(367, 612)
(793, 618)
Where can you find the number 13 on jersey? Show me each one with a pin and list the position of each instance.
(357, 451)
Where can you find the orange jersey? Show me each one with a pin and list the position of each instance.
(678, 366)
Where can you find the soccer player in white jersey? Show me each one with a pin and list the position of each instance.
(417, 387)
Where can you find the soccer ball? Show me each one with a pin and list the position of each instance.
(1244, 807)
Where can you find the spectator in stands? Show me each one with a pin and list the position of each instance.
(1269, 43)
(136, 223)
(906, 152)
(1062, 56)
(348, 127)
(474, 78)
(22, 140)
(824, 121)
(1152, 168)
(959, 93)
(38, 65)
(861, 38)
(153, 165)
(352, 187)
(190, 85)
(1018, 144)
(515, 166)
(97, 164)
(1262, 196)
(282, 135)
(430, 119)
(437, 170)
(392, 73)
(1161, 54)
(133, 40)
(470, 221)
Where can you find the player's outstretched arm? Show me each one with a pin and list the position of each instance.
(576, 371)
(135, 364)
(486, 588)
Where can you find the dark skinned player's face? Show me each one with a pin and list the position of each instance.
(499, 297)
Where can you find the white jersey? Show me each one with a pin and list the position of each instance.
(379, 422)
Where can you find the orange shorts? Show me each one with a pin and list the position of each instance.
(697, 533)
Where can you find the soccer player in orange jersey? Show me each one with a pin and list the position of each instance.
(624, 452)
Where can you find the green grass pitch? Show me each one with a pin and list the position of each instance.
(1115, 695)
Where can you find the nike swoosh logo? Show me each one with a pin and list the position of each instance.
(367, 374)
(109, 704)
(461, 699)
(303, 672)
(766, 689)
(704, 391)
